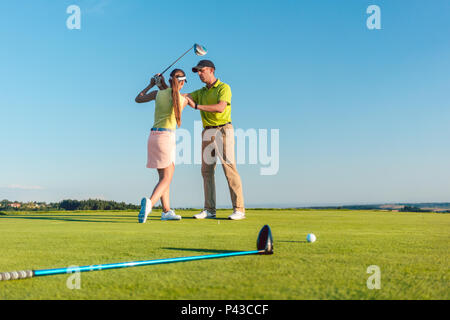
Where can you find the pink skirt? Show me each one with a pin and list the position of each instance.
(161, 149)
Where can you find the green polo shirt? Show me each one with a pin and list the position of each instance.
(218, 92)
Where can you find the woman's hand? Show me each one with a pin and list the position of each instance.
(156, 79)
(160, 81)
(191, 102)
(152, 81)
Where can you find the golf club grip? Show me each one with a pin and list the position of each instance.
(16, 275)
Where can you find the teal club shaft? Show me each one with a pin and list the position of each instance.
(15, 275)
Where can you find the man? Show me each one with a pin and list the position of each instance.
(214, 103)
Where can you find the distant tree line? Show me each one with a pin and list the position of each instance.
(69, 204)
(95, 204)
(413, 209)
(419, 207)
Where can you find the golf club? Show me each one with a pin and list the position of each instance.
(264, 245)
(198, 49)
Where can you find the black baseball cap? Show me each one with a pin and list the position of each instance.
(203, 63)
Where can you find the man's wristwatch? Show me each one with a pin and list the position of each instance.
(196, 105)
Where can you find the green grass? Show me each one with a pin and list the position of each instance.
(411, 249)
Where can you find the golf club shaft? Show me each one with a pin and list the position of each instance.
(47, 272)
(177, 60)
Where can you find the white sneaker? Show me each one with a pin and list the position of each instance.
(205, 214)
(237, 215)
(146, 208)
(170, 215)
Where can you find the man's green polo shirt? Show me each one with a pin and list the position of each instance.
(218, 92)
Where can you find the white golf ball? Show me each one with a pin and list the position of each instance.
(311, 237)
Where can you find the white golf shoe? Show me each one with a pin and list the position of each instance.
(237, 215)
(205, 214)
(170, 215)
(146, 208)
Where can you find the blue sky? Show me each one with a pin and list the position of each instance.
(363, 114)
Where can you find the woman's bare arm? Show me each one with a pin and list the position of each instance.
(146, 97)
(185, 102)
(143, 96)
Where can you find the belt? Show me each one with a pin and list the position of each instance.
(211, 127)
(162, 129)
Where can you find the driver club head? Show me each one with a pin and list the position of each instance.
(265, 240)
(199, 50)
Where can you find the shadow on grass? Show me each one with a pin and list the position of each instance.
(192, 218)
(88, 218)
(184, 218)
(71, 218)
(292, 241)
(202, 250)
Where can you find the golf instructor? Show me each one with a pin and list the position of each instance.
(214, 103)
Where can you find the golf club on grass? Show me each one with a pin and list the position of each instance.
(264, 245)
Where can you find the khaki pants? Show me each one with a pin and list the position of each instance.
(219, 142)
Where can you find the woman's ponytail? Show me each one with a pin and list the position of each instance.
(175, 84)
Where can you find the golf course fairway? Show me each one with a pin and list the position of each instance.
(410, 249)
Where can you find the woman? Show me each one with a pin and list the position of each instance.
(169, 105)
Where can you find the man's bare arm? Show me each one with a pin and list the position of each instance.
(217, 108)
